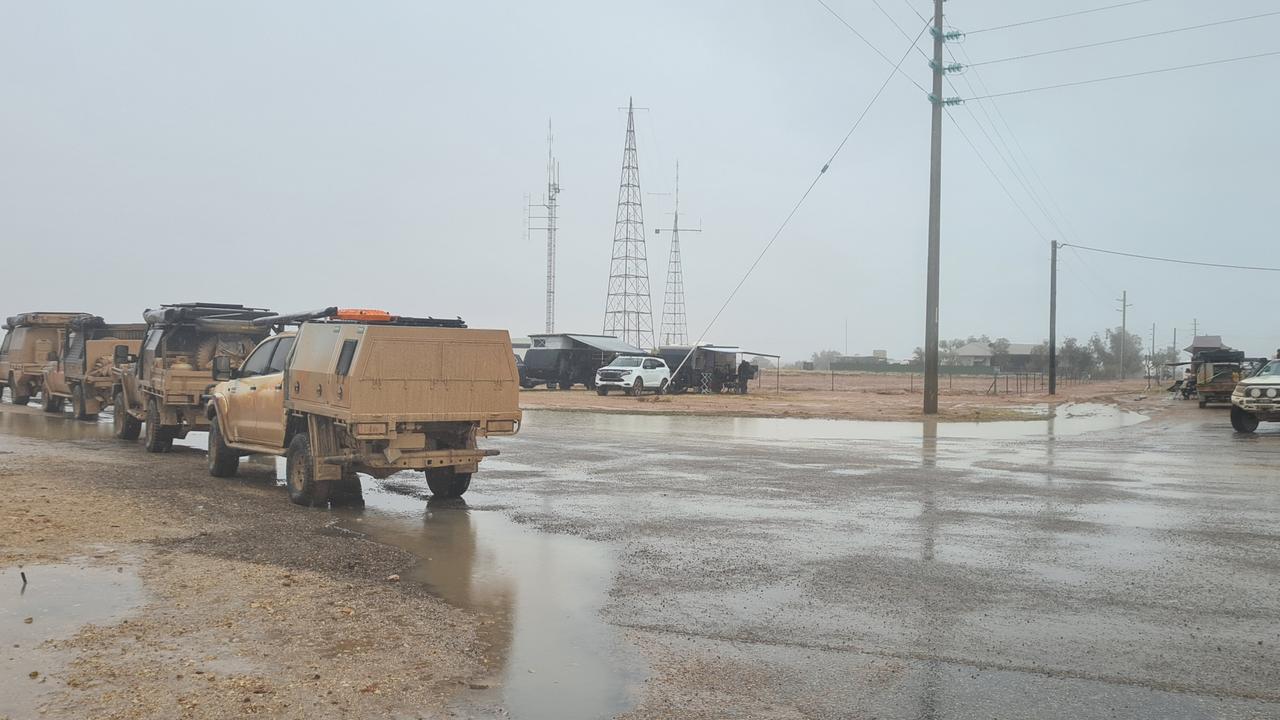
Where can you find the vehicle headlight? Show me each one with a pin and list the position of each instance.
(1255, 392)
(1273, 392)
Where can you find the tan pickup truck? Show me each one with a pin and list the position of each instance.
(82, 372)
(32, 341)
(364, 391)
(166, 386)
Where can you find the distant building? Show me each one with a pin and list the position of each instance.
(877, 359)
(1201, 343)
(979, 355)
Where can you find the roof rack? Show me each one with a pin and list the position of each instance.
(189, 312)
(335, 314)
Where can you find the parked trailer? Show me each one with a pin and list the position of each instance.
(564, 360)
(708, 369)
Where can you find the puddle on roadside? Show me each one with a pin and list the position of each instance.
(1066, 419)
(539, 597)
(43, 426)
(60, 599)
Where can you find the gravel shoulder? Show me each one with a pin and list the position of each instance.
(249, 605)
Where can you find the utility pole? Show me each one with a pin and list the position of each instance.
(627, 313)
(1151, 359)
(1124, 326)
(1177, 354)
(935, 222)
(1053, 317)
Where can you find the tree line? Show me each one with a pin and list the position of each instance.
(1097, 357)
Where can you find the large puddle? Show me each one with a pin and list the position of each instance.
(539, 596)
(53, 604)
(1061, 420)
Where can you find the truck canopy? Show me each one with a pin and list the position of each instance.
(402, 373)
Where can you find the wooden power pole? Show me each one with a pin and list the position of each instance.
(935, 222)
(1053, 317)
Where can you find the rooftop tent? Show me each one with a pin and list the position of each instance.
(607, 344)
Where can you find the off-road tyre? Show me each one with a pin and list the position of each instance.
(123, 425)
(304, 489)
(78, 404)
(662, 388)
(223, 460)
(1203, 402)
(1242, 421)
(447, 484)
(18, 395)
(157, 438)
(602, 390)
(347, 491)
(50, 402)
(637, 388)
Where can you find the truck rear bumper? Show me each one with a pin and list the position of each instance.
(394, 459)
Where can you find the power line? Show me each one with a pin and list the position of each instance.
(1127, 75)
(999, 182)
(1058, 17)
(1124, 39)
(796, 208)
(1013, 166)
(874, 49)
(1173, 260)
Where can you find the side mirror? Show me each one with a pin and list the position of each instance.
(222, 368)
(120, 355)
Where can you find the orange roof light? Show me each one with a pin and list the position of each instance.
(363, 315)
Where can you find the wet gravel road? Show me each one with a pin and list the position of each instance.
(1126, 572)
(692, 567)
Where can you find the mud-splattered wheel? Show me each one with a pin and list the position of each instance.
(445, 483)
(223, 461)
(123, 425)
(637, 388)
(158, 438)
(300, 476)
(1243, 421)
(79, 405)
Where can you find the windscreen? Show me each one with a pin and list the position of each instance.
(627, 362)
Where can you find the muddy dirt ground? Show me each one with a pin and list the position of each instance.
(654, 566)
(849, 396)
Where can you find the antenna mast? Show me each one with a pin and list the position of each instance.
(627, 310)
(675, 327)
(550, 204)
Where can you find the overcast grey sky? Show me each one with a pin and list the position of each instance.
(300, 154)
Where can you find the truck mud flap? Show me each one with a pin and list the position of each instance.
(324, 444)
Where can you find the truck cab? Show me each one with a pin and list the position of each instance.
(1256, 399)
(364, 391)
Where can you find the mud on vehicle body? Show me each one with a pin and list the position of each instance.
(1256, 399)
(363, 391)
(165, 387)
(82, 374)
(32, 341)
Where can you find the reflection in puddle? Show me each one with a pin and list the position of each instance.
(539, 596)
(1068, 419)
(59, 599)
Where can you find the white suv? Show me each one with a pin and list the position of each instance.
(634, 374)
